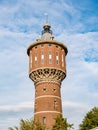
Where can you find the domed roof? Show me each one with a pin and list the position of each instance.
(46, 32)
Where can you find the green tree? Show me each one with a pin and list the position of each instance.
(90, 120)
(15, 128)
(61, 123)
(28, 125)
(38, 126)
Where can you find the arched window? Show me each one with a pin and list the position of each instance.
(55, 104)
(50, 57)
(30, 59)
(42, 57)
(62, 60)
(44, 120)
(35, 59)
(57, 58)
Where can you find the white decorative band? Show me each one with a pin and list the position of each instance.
(44, 96)
(47, 112)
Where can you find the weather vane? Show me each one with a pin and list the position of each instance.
(46, 17)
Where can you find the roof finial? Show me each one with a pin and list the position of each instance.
(46, 32)
(46, 17)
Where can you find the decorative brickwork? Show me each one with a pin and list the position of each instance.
(47, 74)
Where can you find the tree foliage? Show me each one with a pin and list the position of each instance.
(28, 125)
(90, 120)
(61, 123)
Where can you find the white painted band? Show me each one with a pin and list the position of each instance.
(44, 96)
(47, 112)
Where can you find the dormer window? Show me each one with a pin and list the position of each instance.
(44, 120)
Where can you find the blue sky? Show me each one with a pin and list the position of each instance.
(75, 23)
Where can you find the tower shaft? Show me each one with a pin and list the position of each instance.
(47, 102)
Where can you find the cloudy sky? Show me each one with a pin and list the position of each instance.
(75, 23)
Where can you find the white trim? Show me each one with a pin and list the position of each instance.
(47, 96)
(47, 112)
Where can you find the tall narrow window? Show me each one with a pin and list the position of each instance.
(62, 60)
(55, 104)
(35, 59)
(42, 57)
(44, 120)
(30, 59)
(50, 57)
(57, 58)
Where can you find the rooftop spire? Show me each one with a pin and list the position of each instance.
(47, 33)
(46, 17)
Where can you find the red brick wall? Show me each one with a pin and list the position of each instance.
(46, 48)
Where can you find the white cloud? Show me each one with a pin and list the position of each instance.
(70, 104)
(17, 107)
(71, 109)
(79, 89)
(20, 24)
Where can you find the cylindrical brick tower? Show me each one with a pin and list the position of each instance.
(47, 69)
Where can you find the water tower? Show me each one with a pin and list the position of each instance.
(47, 69)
